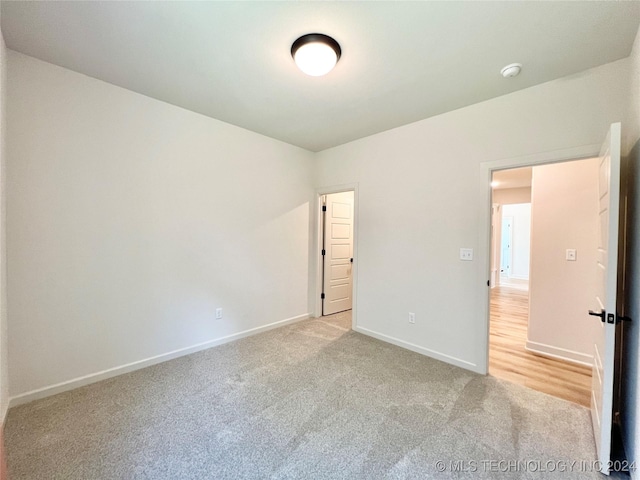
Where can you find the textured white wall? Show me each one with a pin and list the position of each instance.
(132, 220)
(564, 215)
(419, 191)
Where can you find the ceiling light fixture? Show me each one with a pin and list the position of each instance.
(511, 70)
(316, 54)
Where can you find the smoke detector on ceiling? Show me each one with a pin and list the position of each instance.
(511, 70)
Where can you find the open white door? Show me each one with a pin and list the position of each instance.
(606, 297)
(506, 255)
(495, 245)
(338, 253)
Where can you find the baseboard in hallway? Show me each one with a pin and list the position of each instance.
(519, 284)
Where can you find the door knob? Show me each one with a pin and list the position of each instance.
(596, 314)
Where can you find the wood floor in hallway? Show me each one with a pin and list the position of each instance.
(510, 360)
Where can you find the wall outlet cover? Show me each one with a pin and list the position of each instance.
(466, 254)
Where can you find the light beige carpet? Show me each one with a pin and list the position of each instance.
(313, 400)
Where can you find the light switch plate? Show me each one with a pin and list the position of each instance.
(466, 254)
(571, 255)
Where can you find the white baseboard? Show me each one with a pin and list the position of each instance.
(418, 349)
(147, 362)
(560, 353)
(519, 277)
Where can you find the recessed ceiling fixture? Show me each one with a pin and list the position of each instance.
(316, 54)
(511, 70)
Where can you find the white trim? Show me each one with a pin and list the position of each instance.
(348, 187)
(418, 349)
(519, 277)
(147, 362)
(484, 227)
(560, 353)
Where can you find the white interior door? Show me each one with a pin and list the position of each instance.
(506, 242)
(338, 253)
(606, 297)
(495, 245)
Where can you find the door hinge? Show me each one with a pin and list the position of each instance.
(322, 296)
(324, 208)
(488, 283)
(324, 252)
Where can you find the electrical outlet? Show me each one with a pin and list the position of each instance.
(412, 317)
(218, 313)
(466, 254)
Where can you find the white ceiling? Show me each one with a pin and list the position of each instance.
(513, 178)
(401, 61)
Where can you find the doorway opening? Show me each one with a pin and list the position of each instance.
(601, 313)
(544, 240)
(337, 253)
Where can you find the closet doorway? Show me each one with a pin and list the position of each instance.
(337, 252)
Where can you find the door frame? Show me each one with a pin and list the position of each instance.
(484, 227)
(317, 247)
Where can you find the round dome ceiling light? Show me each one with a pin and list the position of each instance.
(316, 54)
(511, 70)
